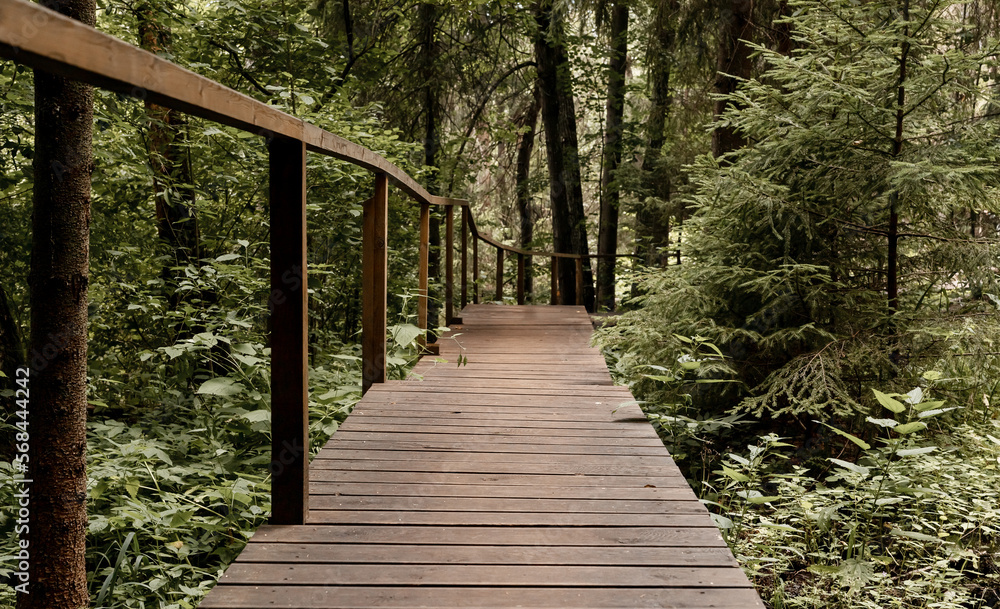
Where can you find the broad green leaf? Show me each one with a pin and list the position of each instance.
(735, 475)
(909, 452)
(227, 257)
(889, 402)
(722, 522)
(928, 405)
(935, 412)
(763, 499)
(222, 385)
(864, 445)
(405, 334)
(910, 427)
(913, 535)
(915, 395)
(883, 422)
(858, 469)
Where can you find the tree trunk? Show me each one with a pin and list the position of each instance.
(176, 222)
(428, 16)
(607, 239)
(58, 280)
(569, 229)
(522, 176)
(733, 64)
(653, 217)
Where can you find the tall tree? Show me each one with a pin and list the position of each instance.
(58, 282)
(522, 184)
(569, 228)
(607, 238)
(174, 196)
(733, 66)
(428, 16)
(653, 214)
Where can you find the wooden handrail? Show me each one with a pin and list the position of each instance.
(40, 38)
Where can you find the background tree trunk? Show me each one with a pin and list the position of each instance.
(428, 17)
(176, 222)
(58, 281)
(653, 216)
(734, 64)
(522, 179)
(607, 238)
(569, 230)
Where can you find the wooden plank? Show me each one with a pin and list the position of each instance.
(664, 479)
(528, 505)
(487, 467)
(289, 333)
(612, 536)
(496, 447)
(487, 425)
(451, 441)
(482, 575)
(334, 455)
(320, 553)
(387, 489)
(535, 519)
(589, 431)
(374, 273)
(365, 597)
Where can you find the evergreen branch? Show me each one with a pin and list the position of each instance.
(944, 80)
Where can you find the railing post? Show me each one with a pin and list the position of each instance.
(464, 299)
(374, 271)
(554, 297)
(449, 264)
(289, 333)
(424, 264)
(520, 279)
(475, 270)
(579, 280)
(499, 275)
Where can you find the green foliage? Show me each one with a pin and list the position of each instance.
(910, 522)
(788, 252)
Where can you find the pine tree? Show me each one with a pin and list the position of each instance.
(817, 249)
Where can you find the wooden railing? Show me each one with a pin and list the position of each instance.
(43, 39)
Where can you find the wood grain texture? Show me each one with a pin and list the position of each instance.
(523, 478)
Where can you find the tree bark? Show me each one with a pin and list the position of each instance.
(58, 281)
(733, 65)
(653, 217)
(176, 221)
(522, 175)
(428, 17)
(607, 238)
(569, 229)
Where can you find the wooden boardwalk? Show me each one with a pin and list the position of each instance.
(521, 479)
